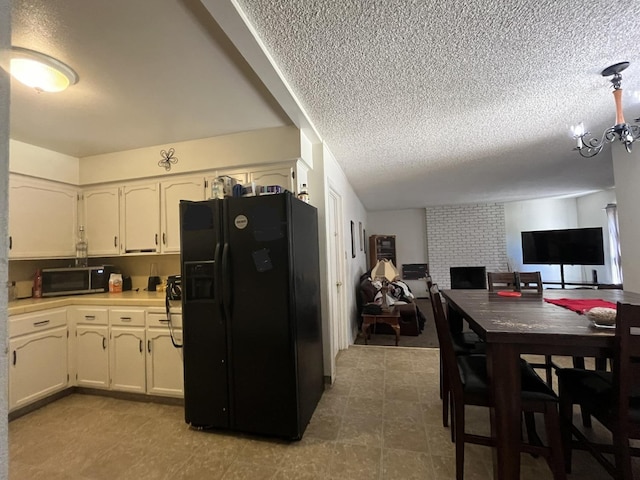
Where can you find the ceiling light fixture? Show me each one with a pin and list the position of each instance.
(40, 71)
(624, 132)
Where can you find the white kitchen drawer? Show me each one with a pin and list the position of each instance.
(160, 320)
(35, 322)
(126, 317)
(92, 315)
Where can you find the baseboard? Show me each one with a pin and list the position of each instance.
(134, 397)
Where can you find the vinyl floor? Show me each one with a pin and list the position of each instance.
(380, 420)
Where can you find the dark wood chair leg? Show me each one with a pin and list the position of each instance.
(532, 433)
(458, 413)
(441, 376)
(622, 455)
(578, 362)
(556, 461)
(566, 420)
(445, 404)
(548, 369)
(453, 418)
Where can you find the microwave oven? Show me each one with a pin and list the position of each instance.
(76, 280)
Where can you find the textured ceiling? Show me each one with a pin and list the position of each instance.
(151, 72)
(456, 101)
(421, 102)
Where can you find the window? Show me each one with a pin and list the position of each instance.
(614, 243)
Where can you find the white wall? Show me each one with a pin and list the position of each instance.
(543, 214)
(409, 226)
(39, 162)
(591, 213)
(352, 210)
(626, 171)
(269, 145)
(5, 42)
(465, 236)
(559, 213)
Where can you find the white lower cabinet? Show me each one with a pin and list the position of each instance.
(127, 359)
(38, 362)
(164, 363)
(91, 349)
(92, 360)
(124, 349)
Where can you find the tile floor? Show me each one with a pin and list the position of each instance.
(380, 420)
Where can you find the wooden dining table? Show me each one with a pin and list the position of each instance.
(512, 326)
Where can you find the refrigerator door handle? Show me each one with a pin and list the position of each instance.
(226, 282)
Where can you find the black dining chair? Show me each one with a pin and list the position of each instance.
(464, 343)
(613, 398)
(469, 385)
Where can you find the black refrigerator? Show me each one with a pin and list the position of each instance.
(251, 314)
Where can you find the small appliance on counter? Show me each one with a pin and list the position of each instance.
(154, 279)
(75, 280)
(174, 287)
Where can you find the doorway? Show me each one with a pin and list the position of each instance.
(339, 337)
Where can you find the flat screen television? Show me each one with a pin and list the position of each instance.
(574, 246)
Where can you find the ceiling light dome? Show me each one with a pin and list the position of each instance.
(40, 71)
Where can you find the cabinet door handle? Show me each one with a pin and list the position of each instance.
(89, 317)
(41, 323)
(115, 241)
(10, 242)
(164, 238)
(156, 238)
(104, 343)
(125, 319)
(149, 346)
(15, 357)
(140, 346)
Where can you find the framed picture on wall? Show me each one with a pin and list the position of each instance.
(364, 235)
(361, 234)
(353, 240)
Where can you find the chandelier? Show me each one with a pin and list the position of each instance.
(622, 131)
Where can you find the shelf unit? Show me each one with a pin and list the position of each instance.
(382, 247)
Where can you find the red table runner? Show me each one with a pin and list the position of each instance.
(581, 305)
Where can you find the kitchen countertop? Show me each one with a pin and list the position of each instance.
(130, 299)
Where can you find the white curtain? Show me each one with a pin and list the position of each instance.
(614, 242)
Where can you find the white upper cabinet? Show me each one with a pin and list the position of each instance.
(240, 176)
(43, 218)
(140, 218)
(172, 192)
(290, 176)
(283, 176)
(102, 220)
